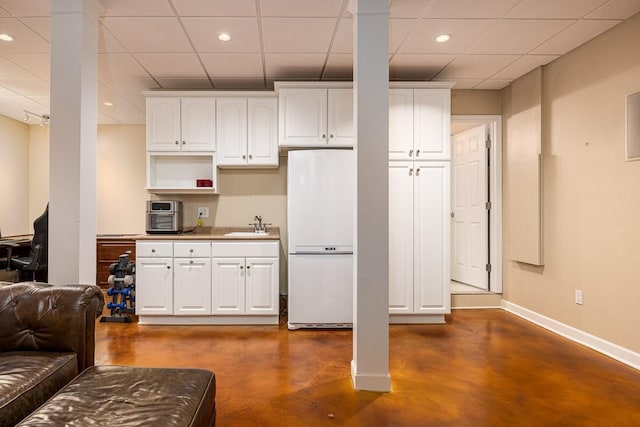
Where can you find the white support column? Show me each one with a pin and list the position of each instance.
(72, 159)
(370, 364)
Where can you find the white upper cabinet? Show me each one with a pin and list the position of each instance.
(247, 132)
(180, 124)
(316, 117)
(432, 124)
(419, 124)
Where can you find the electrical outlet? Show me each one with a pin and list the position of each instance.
(203, 212)
(578, 296)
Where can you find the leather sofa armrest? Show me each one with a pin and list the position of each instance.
(44, 317)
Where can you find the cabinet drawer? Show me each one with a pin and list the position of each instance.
(152, 249)
(245, 249)
(191, 249)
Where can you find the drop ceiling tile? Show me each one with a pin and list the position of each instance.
(493, 84)
(616, 9)
(461, 84)
(106, 41)
(120, 64)
(204, 34)
(45, 101)
(4, 13)
(301, 8)
(399, 29)
(572, 37)
(103, 119)
(41, 26)
(339, 66)
(148, 34)
(523, 65)
(291, 35)
(468, 9)
(10, 70)
(124, 116)
(239, 84)
(417, 67)
(179, 84)
(27, 87)
(531, 33)
(542, 9)
(475, 66)
(343, 41)
(236, 65)
(172, 65)
(215, 8)
(130, 88)
(137, 8)
(37, 63)
(22, 8)
(407, 8)
(26, 40)
(464, 32)
(294, 66)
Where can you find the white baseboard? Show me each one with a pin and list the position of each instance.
(480, 307)
(607, 348)
(370, 382)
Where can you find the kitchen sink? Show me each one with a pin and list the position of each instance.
(247, 233)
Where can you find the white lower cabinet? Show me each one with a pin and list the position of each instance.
(419, 277)
(245, 285)
(207, 282)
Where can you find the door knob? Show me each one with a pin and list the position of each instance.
(453, 215)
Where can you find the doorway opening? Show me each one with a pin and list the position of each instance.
(476, 204)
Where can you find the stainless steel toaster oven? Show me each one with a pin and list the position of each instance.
(164, 216)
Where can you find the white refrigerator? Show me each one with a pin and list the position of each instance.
(320, 201)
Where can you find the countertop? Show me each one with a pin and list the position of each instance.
(203, 233)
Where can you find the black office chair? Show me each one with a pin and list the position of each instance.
(37, 261)
(6, 274)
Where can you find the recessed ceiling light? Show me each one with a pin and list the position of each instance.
(108, 104)
(6, 37)
(443, 38)
(224, 37)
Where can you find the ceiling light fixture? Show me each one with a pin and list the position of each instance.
(44, 118)
(6, 37)
(443, 38)
(224, 37)
(108, 104)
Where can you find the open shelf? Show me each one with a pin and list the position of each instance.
(177, 173)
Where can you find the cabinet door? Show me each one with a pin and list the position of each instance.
(262, 144)
(154, 286)
(303, 117)
(340, 117)
(163, 124)
(191, 286)
(431, 238)
(432, 124)
(401, 124)
(401, 237)
(198, 125)
(231, 131)
(262, 286)
(227, 289)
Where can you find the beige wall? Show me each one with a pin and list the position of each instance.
(14, 177)
(591, 199)
(38, 170)
(485, 102)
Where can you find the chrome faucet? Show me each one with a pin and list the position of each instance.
(259, 226)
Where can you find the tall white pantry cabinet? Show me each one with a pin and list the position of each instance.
(419, 203)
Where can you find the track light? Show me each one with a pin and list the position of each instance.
(44, 118)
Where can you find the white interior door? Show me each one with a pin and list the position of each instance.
(469, 227)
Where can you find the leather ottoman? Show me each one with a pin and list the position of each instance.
(128, 396)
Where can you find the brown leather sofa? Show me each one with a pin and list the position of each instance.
(47, 337)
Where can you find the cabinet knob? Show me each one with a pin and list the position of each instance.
(153, 251)
(453, 215)
(191, 250)
(177, 142)
(242, 267)
(168, 267)
(410, 153)
(244, 156)
(410, 171)
(248, 267)
(183, 143)
(418, 172)
(251, 156)
(324, 136)
(417, 153)
(331, 136)
(190, 261)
